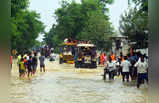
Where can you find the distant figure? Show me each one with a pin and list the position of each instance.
(25, 56)
(18, 59)
(52, 57)
(21, 68)
(113, 57)
(102, 59)
(66, 40)
(29, 66)
(14, 53)
(119, 66)
(25, 63)
(105, 58)
(89, 42)
(99, 62)
(75, 42)
(69, 40)
(28, 56)
(75, 54)
(11, 60)
(35, 63)
(79, 59)
(42, 64)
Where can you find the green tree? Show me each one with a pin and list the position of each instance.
(98, 30)
(81, 21)
(18, 6)
(25, 26)
(134, 24)
(143, 5)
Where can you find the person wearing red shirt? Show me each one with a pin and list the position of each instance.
(113, 57)
(76, 42)
(25, 63)
(102, 59)
(11, 61)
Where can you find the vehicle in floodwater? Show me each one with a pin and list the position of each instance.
(67, 53)
(87, 56)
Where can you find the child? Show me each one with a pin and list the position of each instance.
(22, 68)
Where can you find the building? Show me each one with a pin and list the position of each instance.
(120, 44)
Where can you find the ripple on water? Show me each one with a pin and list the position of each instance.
(61, 84)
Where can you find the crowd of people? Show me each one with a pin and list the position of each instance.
(70, 40)
(132, 67)
(27, 64)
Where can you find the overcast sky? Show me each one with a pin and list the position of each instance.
(46, 9)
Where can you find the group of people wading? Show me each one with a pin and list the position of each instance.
(133, 65)
(28, 63)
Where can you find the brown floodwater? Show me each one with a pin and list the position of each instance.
(65, 84)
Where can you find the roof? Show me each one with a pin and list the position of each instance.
(86, 45)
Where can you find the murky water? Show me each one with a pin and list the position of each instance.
(64, 84)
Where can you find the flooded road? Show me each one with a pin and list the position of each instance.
(65, 84)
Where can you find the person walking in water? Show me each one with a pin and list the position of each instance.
(109, 69)
(22, 68)
(34, 63)
(125, 69)
(99, 61)
(29, 67)
(102, 59)
(11, 61)
(142, 68)
(19, 58)
(42, 64)
(113, 56)
(105, 59)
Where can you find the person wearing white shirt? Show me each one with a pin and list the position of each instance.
(52, 57)
(142, 67)
(109, 69)
(125, 69)
(66, 40)
(115, 67)
(27, 57)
